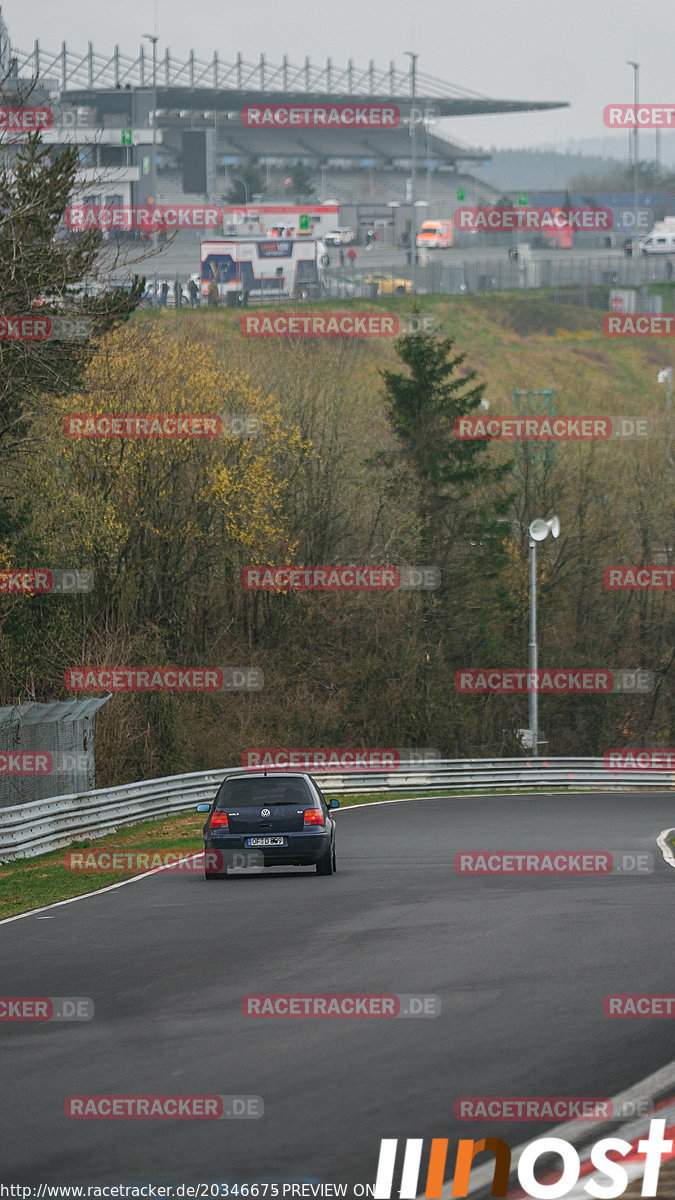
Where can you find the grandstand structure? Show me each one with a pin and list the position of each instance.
(108, 103)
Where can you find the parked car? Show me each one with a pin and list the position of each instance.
(267, 821)
(339, 237)
(387, 285)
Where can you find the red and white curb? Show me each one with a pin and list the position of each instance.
(657, 1089)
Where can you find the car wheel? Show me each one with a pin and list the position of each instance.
(400, 291)
(327, 864)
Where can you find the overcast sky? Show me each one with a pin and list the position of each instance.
(574, 50)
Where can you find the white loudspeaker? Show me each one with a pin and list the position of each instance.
(539, 529)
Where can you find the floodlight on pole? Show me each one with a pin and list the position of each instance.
(636, 77)
(666, 376)
(152, 37)
(413, 122)
(539, 530)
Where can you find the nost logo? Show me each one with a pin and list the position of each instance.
(655, 1149)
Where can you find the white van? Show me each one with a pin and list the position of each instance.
(660, 239)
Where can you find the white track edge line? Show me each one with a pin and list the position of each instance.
(32, 912)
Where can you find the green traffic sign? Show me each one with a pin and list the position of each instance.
(127, 137)
(304, 221)
(523, 198)
(461, 194)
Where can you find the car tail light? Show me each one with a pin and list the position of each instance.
(313, 816)
(219, 820)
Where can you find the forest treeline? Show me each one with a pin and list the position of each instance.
(355, 462)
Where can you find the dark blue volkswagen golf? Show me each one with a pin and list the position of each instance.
(259, 820)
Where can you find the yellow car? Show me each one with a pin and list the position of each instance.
(387, 285)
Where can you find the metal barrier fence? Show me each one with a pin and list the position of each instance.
(30, 829)
(456, 275)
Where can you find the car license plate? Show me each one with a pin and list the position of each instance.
(266, 841)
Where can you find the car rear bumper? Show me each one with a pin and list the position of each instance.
(302, 849)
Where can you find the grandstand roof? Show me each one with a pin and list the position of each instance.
(218, 85)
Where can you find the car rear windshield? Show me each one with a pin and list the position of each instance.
(255, 793)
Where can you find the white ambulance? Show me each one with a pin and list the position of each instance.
(261, 268)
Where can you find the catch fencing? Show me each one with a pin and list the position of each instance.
(36, 828)
(58, 737)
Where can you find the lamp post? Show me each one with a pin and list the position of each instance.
(539, 529)
(152, 37)
(636, 74)
(239, 179)
(413, 121)
(666, 376)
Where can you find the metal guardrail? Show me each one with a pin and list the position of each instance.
(44, 825)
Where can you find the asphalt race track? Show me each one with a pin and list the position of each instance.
(521, 965)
